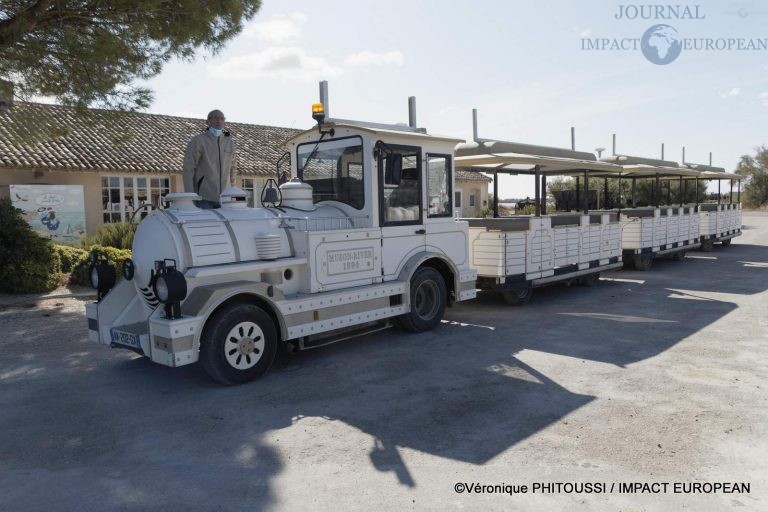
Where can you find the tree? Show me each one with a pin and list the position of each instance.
(621, 196)
(90, 52)
(755, 172)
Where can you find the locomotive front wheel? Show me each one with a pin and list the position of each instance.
(238, 344)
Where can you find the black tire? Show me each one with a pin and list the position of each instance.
(590, 279)
(628, 261)
(429, 297)
(707, 245)
(518, 297)
(726, 243)
(678, 256)
(216, 350)
(642, 261)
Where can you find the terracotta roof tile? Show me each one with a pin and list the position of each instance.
(103, 140)
(471, 175)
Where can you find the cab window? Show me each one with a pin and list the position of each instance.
(335, 170)
(400, 179)
(439, 185)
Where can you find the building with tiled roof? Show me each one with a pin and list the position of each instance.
(123, 160)
(129, 142)
(471, 194)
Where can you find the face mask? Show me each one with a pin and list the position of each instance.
(216, 132)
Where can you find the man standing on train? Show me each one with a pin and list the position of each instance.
(210, 162)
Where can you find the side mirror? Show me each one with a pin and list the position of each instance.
(281, 175)
(393, 172)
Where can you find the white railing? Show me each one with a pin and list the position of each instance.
(325, 223)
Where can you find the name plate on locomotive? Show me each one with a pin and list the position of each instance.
(350, 260)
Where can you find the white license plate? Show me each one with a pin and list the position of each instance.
(129, 339)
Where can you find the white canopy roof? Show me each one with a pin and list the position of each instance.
(509, 158)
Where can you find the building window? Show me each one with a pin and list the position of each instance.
(457, 199)
(122, 196)
(471, 199)
(253, 187)
(439, 185)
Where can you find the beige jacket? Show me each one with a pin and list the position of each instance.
(210, 165)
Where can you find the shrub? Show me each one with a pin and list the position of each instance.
(28, 262)
(528, 209)
(116, 234)
(115, 257)
(486, 212)
(69, 256)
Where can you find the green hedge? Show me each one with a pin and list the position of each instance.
(70, 256)
(28, 262)
(116, 257)
(115, 234)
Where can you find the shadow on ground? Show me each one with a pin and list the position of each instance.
(148, 436)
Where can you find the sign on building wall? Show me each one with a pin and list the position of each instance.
(54, 211)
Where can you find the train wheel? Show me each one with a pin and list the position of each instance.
(642, 261)
(238, 344)
(518, 297)
(590, 279)
(429, 297)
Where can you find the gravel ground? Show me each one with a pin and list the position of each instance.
(649, 377)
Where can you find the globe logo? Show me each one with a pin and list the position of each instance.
(661, 44)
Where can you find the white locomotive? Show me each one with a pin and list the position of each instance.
(362, 237)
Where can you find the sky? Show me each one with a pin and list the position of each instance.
(521, 64)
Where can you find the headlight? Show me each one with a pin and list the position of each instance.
(170, 286)
(128, 269)
(161, 289)
(102, 276)
(94, 278)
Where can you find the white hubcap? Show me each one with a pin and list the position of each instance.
(244, 345)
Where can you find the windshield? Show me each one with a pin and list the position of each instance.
(334, 168)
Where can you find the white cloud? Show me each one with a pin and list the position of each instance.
(281, 62)
(586, 32)
(294, 63)
(279, 29)
(372, 58)
(736, 91)
(763, 96)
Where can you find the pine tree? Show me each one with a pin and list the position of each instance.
(90, 52)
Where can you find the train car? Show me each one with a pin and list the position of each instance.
(720, 222)
(514, 255)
